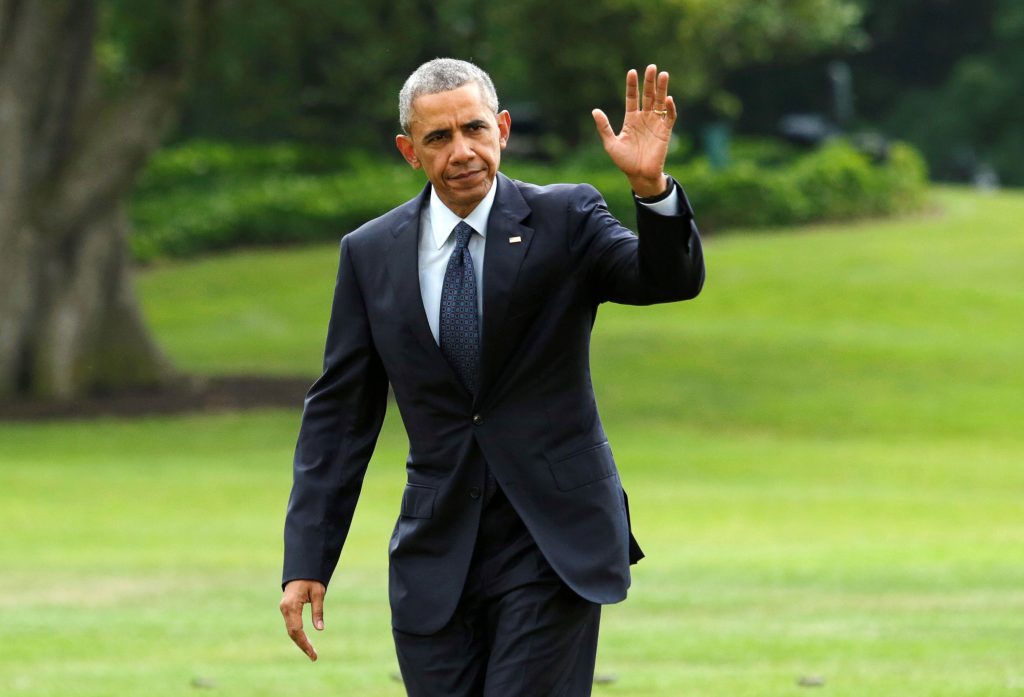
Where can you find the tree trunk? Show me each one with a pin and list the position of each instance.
(69, 320)
(71, 323)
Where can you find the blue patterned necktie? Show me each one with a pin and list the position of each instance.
(459, 333)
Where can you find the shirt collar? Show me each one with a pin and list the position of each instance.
(443, 221)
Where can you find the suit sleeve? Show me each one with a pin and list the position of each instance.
(664, 262)
(341, 419)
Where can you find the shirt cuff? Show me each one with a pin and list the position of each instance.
(666, 206)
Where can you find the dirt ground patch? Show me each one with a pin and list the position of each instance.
(226, 393)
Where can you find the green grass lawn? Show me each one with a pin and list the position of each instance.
(824, 453)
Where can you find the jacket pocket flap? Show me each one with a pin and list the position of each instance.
(584, 467)
(418, 501)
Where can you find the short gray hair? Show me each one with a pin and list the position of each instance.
(443, 75)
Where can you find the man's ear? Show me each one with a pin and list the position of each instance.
(504, 127)
(404, 145)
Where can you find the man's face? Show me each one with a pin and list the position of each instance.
(457, 141)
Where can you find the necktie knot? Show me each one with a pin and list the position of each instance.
(462, 234)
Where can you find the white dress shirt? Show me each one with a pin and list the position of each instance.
(437, 222)
(436, 244)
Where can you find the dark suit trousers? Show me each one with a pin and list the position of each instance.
(518, 630)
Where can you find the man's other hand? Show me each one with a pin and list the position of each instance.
(296, 594)
(640, 148)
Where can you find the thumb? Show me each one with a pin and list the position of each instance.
(604, 128)
(318, 609)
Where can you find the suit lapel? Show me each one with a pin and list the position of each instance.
(502, 259)
(404, 277)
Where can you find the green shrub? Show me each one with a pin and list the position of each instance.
(835, 182)
(198, 162)
(743, 194)
(274, 209)
(903, 179)
(766, 152)
(206, 196)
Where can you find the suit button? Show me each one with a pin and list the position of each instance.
(474, 493)
(478, 420)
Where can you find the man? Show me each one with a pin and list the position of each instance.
(476, 300)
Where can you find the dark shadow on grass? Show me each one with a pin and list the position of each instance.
(207, 394)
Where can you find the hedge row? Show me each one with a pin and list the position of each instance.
(835, 182)
(202, 197)
(265, 210)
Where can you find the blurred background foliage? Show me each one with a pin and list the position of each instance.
(330, 72)
(285, 133)
(204, 196)
(945, 75)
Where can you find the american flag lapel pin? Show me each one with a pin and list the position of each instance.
(516, 239)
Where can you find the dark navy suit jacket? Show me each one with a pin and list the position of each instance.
(534, 420)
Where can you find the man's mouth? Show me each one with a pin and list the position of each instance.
(465, 175)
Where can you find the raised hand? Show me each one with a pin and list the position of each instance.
(640, 148)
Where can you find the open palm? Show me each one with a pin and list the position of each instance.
(641, 145)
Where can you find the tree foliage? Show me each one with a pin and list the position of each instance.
(946, 76)
(975, 115)
(710, 39)
(331, 71)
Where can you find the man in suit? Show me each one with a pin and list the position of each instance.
(476, 301)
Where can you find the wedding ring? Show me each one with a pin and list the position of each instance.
(660, 112)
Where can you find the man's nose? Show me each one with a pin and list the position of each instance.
(461, 148)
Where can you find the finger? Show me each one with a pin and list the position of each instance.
(292, 612)
(318, 609)
(302, 641)
(649, 75)
(661, 90)
(670, 107)
(604, 127)
(632, 95)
